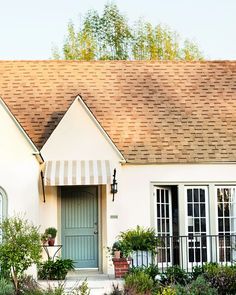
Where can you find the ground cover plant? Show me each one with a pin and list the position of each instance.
(209, 279)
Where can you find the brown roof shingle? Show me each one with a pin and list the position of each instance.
(155, 112)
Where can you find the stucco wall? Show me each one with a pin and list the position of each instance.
(19, 170)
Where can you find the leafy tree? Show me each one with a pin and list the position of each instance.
(109, 37)
(20, 247)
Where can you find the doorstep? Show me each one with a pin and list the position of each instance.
(98, 283)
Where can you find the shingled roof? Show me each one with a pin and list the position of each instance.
(155, 112)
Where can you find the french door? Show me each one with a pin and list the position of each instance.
(226, 223)
(197, 224)
(164, 225)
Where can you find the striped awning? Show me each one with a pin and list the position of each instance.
(77, 172)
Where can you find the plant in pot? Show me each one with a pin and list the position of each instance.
(116, 249)
(51, 232)
(141, 244)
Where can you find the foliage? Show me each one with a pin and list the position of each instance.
(117, 246)
(20, 247)
(54, 270)
(138, 283)
(140, 238)
(81, 289)
(197, 287)
(223, 278)
(51, 232)
(175, 275)
(110, 37)
(6, 287)
(152, 270)
(28, 285)
(169, 290)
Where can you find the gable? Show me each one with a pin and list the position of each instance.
(78, 136)
(154, 112)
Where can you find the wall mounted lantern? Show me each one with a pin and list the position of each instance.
(114, 186)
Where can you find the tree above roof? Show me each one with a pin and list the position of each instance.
(110, 37)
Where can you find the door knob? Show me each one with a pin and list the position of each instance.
(96, 232)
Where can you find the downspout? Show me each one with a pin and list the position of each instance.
(41, 161)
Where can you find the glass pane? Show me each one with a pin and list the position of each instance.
(226, 209)
(203, 212)
(203, 225)
(196, 210)
(162, 196)
(197, 253)
(190, 210)
(220, 209)
(167, 196)
(191, 255)
(202, 195)
(167, 210)
(196, 225)
(163, 210)
(196, 197)
(158, 210)
(189, 195)
(158, 196)
(227, 227)
(220, 225)
(167, 226)
(219, 195)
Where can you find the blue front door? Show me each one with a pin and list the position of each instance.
(79, 208)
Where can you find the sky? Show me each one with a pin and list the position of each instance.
(30, 28)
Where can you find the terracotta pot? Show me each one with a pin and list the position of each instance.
(116, 254)
(51, 242)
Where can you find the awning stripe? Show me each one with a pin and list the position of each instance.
(77, 172)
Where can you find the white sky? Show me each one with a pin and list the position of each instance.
(29, 28)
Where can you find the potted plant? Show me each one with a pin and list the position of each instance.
(116, 249)
(141, 244)
(51, 232)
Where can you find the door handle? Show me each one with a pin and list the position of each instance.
(95, 232)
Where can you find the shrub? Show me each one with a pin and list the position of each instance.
(20, 247)
(223, 278)
(197, 287)
(175, 275)
(138, 283)
(54, 270)
(6, 287)
(152, 270)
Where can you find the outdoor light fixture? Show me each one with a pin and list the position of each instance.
(114, 186)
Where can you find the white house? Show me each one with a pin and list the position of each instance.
(169, 130)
